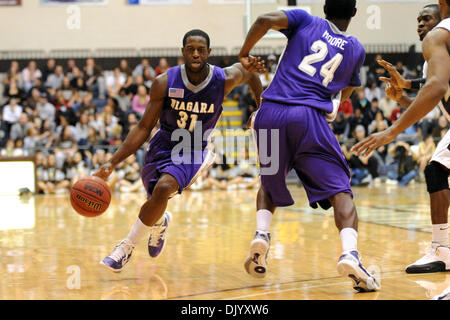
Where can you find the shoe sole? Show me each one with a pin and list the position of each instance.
(169, 218)
(109, 268)
(432, 267)
(362, 282)
(255, 264)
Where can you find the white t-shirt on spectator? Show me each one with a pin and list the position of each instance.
(10, 115)
(46, 111)
(111, 81)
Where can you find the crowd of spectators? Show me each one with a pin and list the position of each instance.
(73, 117)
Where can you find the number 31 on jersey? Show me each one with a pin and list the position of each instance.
(328, 69)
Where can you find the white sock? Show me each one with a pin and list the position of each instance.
(138, 231)
(440, 234)
(263, 220)
(349, 238)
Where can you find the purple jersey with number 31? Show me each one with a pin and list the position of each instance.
(318, 62)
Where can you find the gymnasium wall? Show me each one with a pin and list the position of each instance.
(118, 25)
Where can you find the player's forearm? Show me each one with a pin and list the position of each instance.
(426, 100)
(261, 26)
(135, 139)
(405, 101)
(255, 84)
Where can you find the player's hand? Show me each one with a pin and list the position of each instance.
(372, 142)
(393, 92)
(104, 171)
(396, 79)
(253, 64)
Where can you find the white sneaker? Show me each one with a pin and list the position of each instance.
(444, 295)
(391, 182)
(119, 257)
(256, 263)
(437, 259)
(350, 265)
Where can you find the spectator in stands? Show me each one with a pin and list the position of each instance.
(405, 164)
(45, 110)
(12, 112)
(361, 101)
(82, 129)
(12, 73)
(55, 80)
(124, 68)
(140, 100)
(162, 67)
(123, 100)
(266, 78)
(148, 78)
(396, 113)
(19, 129)
(66, 88)
(271, 63)
(55, 176)
(346, 108)
(31, 141)
(387, 105)
(114, 82)
(65, 145)
(87, 105)
(441, 129)
(12, 90)
(32, 101)
(10, 149)
(71, 66)
(341, 127)
(94, 79)
(48, 69)
(356, 119)
(64, 110)
(29, 75)
(365, 167)
(132, 121)
(373, 92)
(140, 68)
(377, 123)
(376, 71)
(373, 110)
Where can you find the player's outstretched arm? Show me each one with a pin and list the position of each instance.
(141, 132)
(396, 83)
(236, 75)
(436, 53)
(277, 20)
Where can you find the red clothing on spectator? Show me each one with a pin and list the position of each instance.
(159, 70)
(346, 107)
(395, 114)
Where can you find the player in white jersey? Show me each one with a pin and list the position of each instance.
(436, 49)
(437, 258)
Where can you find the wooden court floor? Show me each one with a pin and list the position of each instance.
(47, 251)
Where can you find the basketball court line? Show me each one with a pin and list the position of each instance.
(277, 284)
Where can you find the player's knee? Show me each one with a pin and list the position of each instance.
(166, 187)
(436, 176)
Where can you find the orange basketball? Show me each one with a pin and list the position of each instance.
(90, 196)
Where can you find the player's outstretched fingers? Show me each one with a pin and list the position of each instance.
(361, 146)
(385, 64)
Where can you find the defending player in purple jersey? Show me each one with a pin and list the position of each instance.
(187, 100)
(319, 63)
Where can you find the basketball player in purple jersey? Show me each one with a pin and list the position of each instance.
(187, 100)
(319, 62)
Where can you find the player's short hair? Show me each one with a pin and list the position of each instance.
(339, 9)
(435, 7)
(196, 32)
